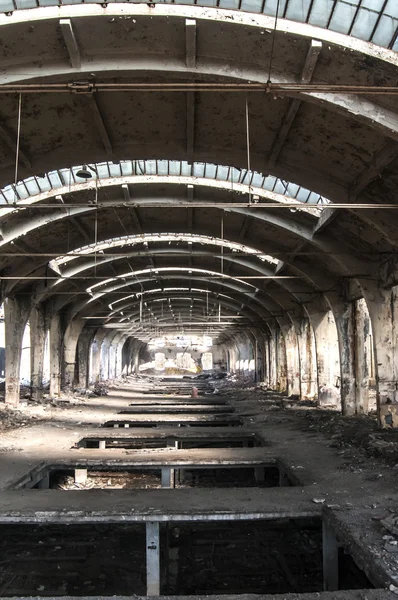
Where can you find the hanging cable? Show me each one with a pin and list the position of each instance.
(222, 244)
(96, 226)
(273, 42)
(248, 145)
(17, 145)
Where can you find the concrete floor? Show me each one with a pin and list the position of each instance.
(353, 498)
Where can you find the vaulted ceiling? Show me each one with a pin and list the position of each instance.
(218, 160)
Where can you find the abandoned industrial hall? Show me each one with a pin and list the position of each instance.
(199, 299)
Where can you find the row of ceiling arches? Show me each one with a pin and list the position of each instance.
(246, 213)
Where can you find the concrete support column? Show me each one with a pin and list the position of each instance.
(119, 356)
(330, 558)
(126, 357)
(44, 484)
(292, 361)
(167, 477)
(16, 315)
(383, 310)
(83, 352)
(112, 361)
(362, 356)
(259, 475)
(272, 358)
(328, 358)
(38, 333)
(308, 372)
(96, 356)
(152, 559)
(104, 369)
(80, 475)
(69, 355)
(55, 355)
(345, 323)
(281, 365)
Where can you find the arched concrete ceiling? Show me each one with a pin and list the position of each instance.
(372, 21)
(341, 146)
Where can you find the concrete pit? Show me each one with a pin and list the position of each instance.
(196, 558)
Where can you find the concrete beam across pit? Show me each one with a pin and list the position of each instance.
(154, 508)
(171, 435)
(166, 460)
(174, 401)
(168, 419)
(181, 409)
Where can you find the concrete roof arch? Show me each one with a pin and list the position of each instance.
(349, 144)
(378, 28)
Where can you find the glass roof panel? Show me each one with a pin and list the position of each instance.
(298, 11)
(32, 186)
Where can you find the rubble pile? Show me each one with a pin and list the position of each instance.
(12, 419)
(360, 431)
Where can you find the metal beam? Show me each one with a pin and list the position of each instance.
(374, 169)
(287, 120)
(71, 43)
(100, 124)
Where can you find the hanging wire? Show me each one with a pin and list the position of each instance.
(248, 145)
(17, 146)
(96, 226)
(222, 245)
(273, 42)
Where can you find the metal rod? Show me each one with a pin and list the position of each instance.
(18, 141)
(167, 275)
(177, 252)
(272, 88)
(184, 204)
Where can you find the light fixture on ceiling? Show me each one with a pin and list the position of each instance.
(84, 173)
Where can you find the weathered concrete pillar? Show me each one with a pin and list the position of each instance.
(281, 364)
(16, 315)
(115, 356)
(354, 334)
(383, 309)
(308, 369)
(112, 361)
(96, 356)
(71, 337)
(55, 355)
(362, 356)
(327, 357)
(345, 323)
(39, 322)
(292, 361)
(105, 347)
(83, 351)
(126, 356)
(272, 358)
(119, 355)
